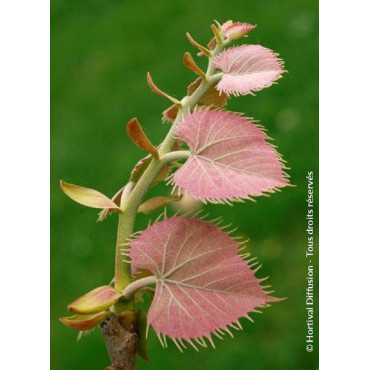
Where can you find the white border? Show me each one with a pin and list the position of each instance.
(24, 153)
(344, 185)
(344, 182)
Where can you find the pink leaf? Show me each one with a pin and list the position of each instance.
(229, 159)
(248, 68)
(203, 284)
(237, 30)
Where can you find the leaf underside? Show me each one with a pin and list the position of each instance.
(203, 286)
(230, 159)
(248, 68)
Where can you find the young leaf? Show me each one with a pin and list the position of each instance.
(156, 203)
(84, 322)
(87, 197)
(203, 284)
(236, 30)
(99, 299)
(230, 158)
(248, 68)
(137, 135)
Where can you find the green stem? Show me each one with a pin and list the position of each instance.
(134, 198)
(131, 289)
(175, 156)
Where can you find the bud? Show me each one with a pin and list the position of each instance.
(128, 320)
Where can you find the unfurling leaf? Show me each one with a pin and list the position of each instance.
(212, 99)
(248, 68)
(236, 30)
(99, 299)
(230, 158)
(84, 322)
(156, 203)
(203, 286)
(87, 197)
(137, 135)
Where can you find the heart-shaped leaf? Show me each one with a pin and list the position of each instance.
(248, 68)
(84, 322)
(203, 286)
(99, 299)
(87, 197)
(229, 160)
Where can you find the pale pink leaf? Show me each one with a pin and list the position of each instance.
(230, 158)
(248, 68)
(236, 30)
(203, 284)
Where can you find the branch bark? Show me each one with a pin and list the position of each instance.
(120, 342)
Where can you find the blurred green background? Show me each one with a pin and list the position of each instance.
(101, 51)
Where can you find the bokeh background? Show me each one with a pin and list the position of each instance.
(101, 51)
